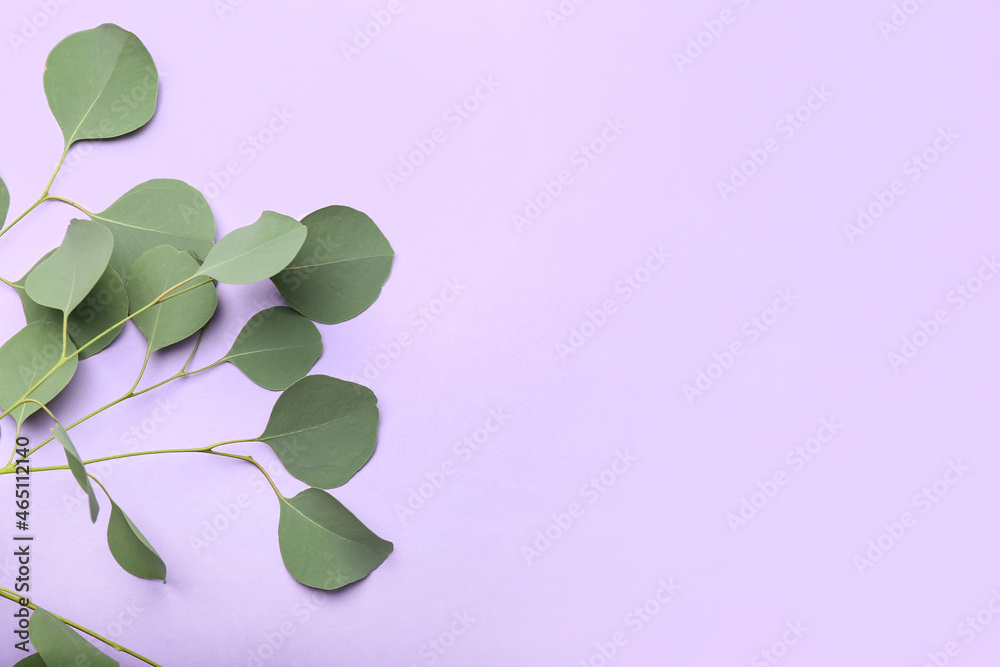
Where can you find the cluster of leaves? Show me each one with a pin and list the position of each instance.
(151, 258)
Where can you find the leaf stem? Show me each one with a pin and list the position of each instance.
(142, 371)
(71, 203)
(248, 459)
(14, 597)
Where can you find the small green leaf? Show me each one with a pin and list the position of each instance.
(33, 660)
(323, 430)
(28, 357)
(76, 467)
(177, 318)
(60, 645)
(131, 548)
(162, 211)
(4, 202)
(340, 269)
(66, 277)
(276, 348)
(323, 545)
(104, 307)
(100, 83)
(257, 251)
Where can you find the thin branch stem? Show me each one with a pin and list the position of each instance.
(45, 194)
(71, 203)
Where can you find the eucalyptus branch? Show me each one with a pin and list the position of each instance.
(14, 597)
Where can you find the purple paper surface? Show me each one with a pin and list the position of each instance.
(688, 355)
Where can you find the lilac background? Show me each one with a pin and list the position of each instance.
(522, 292)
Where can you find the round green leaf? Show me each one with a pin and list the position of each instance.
(323, 430)
(66, 277)
(60, 645)
(341, 267)
(276, 348)
(255, 252)
(33, 660)
(162, 211)
(25, 359)
(100, 83)
(76, 467)
(174, 319)
(4, 202)
(323, 545)
(131, 548)
(104, 307)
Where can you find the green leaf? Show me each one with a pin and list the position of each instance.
(4, 202)
(104, 307)
(60, 645)
(341, 267)
(25, 359)
(323, 430)
(66, 277)
(257, 251)
(100, 83)
(33, 660)
(131, 548)
(162, 211)
(323, 544)
(76, 467)
(177, 318)
(276, 348)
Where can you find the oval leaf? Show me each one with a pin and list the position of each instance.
(276, 348)
(104, 307)
(131, 548)
(323, 545)
(76, 467)
(4, 202)
(177, 318)
(59, 644)
(162, 211)
(323, 430)
(25, 359)
(100, 83)
(257, 251)
(66, 277)
(341, 267)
